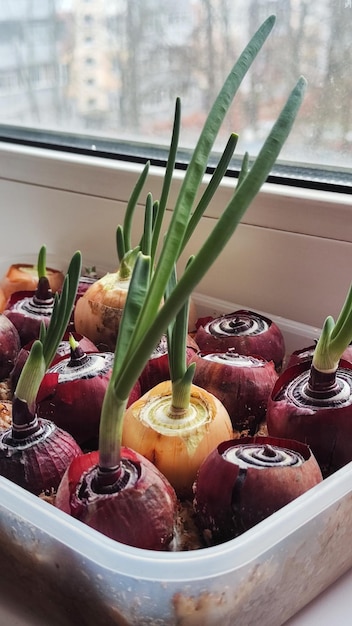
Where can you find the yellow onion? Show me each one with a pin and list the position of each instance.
(176, 444)
(98, 311)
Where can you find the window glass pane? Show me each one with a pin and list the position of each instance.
(113, 68)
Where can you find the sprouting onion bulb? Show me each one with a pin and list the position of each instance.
(147, 314)
(63, 350)
(34, 453)
(176, 440)
(97, 313)
(311, 401)
(176, 424)
(72, 391)
(28, 310)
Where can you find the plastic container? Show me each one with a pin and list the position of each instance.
(60, 572)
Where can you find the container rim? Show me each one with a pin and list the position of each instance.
(187, 566)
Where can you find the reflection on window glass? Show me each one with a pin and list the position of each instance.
(145, 53)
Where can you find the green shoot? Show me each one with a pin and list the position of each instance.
(145, 318)
(41, 263)
(334, 338)
(44, 349)
(123, 233)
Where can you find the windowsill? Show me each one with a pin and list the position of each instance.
(280, 207)
(289, 257)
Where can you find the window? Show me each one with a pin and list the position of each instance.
(146, 53)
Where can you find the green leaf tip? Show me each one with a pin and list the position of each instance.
(41, 263)
(334, 338)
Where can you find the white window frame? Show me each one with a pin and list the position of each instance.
(290, 257)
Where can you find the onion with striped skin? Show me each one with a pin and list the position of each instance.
(157, 368)
(98, 311)
(31, 305)
(63, 350)
(38, 461)
(242, 384)
(247, 332)
(320, 417)
(141, 513)
(306, 354)
(34, 453)
(28, 310)
(10, 346)
(240, 484)
(312, 401)
(72, 392)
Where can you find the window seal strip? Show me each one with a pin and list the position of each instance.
(288, 174)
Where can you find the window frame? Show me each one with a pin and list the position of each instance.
(306, 176)
(285, 206)
(290, 256)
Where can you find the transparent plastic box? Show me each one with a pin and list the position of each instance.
(57, 571)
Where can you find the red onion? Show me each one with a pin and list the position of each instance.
(139, 509)
(28, 310)
(242, 383)
(9, 346)
(306, 354)
(319, 415)
(34, 453)
(72, 393)
(36, 458)
(157, 369)
(240, 484)
(247, 332)
(63, 350)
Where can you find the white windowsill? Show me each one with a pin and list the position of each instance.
(280, 207)
(291, 256)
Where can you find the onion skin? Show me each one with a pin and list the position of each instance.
(37, 462)
(268, 343)
(10, 346)
(24, 277)
(231, 498)
(143, 516)
(157, 369)
(328, 431)
(177, 456)
(306, 354)
(242, 384)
